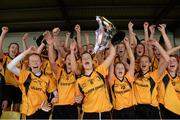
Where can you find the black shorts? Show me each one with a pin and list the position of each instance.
(100, 115)
(13, 95)
(126, 113)
(40, 114)
(65, 112)
(167, 114)
(145, 111)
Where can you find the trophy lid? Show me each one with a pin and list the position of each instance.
(118, 37)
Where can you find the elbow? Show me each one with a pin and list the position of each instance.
(167, 59)
(10, 67)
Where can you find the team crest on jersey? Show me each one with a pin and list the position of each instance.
(91, 81)
(123, 87)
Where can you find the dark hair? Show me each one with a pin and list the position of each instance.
(14, 44)
(136, 48)
(122, 43)
(91, 44)
(175, 56)
(86, 52)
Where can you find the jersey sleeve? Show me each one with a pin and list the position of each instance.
(102, 69)
(111, 82)
(58, 74)
(51, 86)
(154, 76)
(23, 76)
(129, 78)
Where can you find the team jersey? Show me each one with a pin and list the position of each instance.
(34, 90)
(145, 88)
(94, 90)
(25, 63)
(10, 78)
(95, 61)
(169, 92)
(66, 83)
(79, 63)
(47, 68)
(154, 65)
(122, 92)
(137, 66)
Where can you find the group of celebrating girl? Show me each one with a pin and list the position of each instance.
(133, 79)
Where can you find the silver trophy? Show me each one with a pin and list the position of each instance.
(105, 33)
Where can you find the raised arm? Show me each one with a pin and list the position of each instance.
(131, 56)
(79, 41)
(146, 37)
(146, 34)
(107, 62)
(173, 50)
(152, 31)
(74, 65)
(161, 50)
(168, 44)
(132, 38)
(111, 72)
(12, 65)
(164, 60)
(56, 36)
(66, 45)
(50, 41)
(24, 41)
(86, 34)
(150, 47)
(3, 34)
(87, 40)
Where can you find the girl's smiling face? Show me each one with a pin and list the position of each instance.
(35, 63)
(13, 50)
(119, 70)
(121, 49)
(140, 50)
(145, 63)
(87, 61)
(173, 64)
